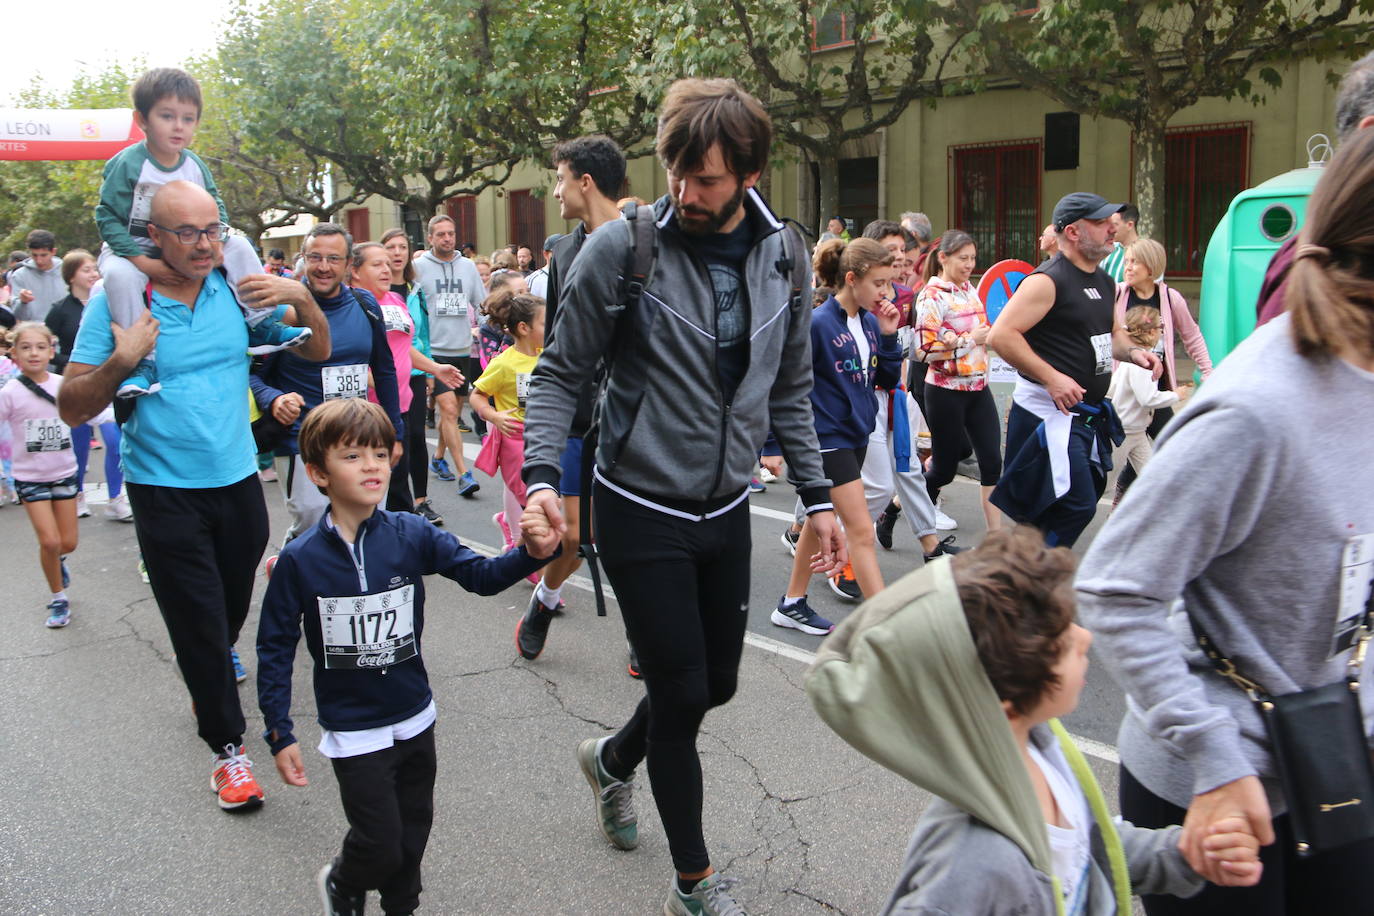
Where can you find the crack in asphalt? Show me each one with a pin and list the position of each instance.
(552, 689)
(122, 618)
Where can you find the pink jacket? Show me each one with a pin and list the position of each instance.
(1176, 316)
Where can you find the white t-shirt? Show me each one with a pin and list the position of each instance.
(1070, 847)
(855, 324)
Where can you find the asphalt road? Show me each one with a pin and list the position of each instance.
(105, 800)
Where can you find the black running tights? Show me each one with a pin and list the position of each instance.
(683, 589)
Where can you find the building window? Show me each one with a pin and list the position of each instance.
(414, 227)
(360, 225)
(832, 30)
(463, 209)
(526, 220)
(1204, 168)
(995, 197)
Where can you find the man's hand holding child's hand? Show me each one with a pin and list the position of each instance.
(535, 527)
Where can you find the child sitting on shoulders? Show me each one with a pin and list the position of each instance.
(1135, 395)
(954, 677)
(363, 627)
(167, 106)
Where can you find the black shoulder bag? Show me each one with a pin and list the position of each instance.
(1320, 750)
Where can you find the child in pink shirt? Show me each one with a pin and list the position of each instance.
(44, 463)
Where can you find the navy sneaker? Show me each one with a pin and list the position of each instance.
(426, 511)
(533, 629)
(945, 548)
(467, 484)
(239, 674)
(790, 536)
(440, 468)
(59, 614)
(883, 527)
(800, 616)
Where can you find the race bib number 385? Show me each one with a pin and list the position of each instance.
(46, 435)
(369, 631)
(344, 381)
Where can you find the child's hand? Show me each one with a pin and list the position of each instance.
(505, 421)
(1231, 844)
(535, 529)
(290, 767)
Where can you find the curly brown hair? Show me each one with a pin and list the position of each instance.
(1017, 595)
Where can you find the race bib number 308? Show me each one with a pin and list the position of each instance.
(369, 631)
(46, 435)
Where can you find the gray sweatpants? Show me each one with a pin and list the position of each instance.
(881, 477)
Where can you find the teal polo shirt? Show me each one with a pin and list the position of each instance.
(194, 433)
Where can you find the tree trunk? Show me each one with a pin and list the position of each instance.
(830, 188)
(1148, 151)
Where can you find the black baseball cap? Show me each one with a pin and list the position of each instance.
(552, 240)
(1082, 205)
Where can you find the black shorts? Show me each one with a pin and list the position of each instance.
(843, 465)
(34, 492)
(461, 362)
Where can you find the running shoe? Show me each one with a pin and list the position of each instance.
(118, 508)
(232, 780)
(136, 386)
(533, 628)
(790, 536)
(467, 484)
(59, 614)
(336, 900)
(429, 417)
(882, 529)
(756, 487)
(463, 427)
(633, 665)
(615, 809)
(800, 616)
(239, 674)
(270, 565)
(943, 522)
(143, 570)
(766, 475)
(440, 469)
(272, 336)
(66, 573)
(426, 511)
(268, 475)
(845, 585)
(945, 548)
(82, 510)
(711, 897)
(499, 520)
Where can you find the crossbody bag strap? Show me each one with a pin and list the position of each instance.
(37, 389)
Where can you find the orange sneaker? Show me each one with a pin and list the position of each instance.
(845, 585)
(232, 780)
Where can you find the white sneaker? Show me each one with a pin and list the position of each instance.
(767, 476)
(943, 522)
(118, 509)
(82, 510)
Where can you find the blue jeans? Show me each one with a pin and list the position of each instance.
(81, 445)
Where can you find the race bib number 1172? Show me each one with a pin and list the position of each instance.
(369, 631)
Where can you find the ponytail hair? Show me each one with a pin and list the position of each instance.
(834, 260)
(496, 306)
(951, 240)
(521, 307)
(1330, 287)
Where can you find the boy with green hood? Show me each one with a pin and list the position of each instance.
(953, 678)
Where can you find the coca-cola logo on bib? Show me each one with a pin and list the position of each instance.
(378, 660)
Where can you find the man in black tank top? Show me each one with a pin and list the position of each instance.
(1059, 333)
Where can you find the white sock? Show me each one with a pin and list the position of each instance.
(549, 597)
(789, 601)
(60, 596)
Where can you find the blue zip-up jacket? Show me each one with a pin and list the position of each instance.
(380, 679)
(842, 398)
(356, 339)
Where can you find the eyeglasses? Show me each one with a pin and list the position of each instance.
(333, 260)
(189, 235)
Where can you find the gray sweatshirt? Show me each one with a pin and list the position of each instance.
(1241, 521)
(46, 285)
(452, 290)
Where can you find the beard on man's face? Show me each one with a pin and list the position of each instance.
(701, 221)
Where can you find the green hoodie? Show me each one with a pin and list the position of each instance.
(900, 680)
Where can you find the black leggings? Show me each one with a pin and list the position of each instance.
(1339, 883)
(952, 414)
(683, 589)
(417, 449)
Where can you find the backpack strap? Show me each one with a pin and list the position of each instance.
(793, 264)
(639, 257)
(36, 389)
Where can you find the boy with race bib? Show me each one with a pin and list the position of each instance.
(44, 463)
(355, 583)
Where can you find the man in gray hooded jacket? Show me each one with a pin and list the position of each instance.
(711, 351)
